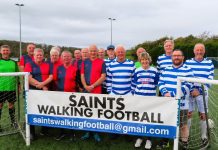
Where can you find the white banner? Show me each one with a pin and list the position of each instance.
(135, 115)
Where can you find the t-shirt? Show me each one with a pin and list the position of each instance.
(145, 81)
(163, 61)
(25, 59)
(66, 78)
(137, 64)
(8, 83)
(39, 72)
(120, 77)
(202, 69)
(92, 70)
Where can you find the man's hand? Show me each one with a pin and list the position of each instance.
(89, 88)
(39, 85)
(167, 94)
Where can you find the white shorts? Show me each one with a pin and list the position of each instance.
(198, 101)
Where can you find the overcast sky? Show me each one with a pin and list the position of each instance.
(80, 23)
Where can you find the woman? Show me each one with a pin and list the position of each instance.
(144, 84)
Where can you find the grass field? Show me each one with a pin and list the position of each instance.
(16, 142)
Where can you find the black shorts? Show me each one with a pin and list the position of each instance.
(9, 96)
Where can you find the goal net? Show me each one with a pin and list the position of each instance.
(13, 87)
(195, 140)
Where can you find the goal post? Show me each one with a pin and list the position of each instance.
(194, 141)
(20, 105)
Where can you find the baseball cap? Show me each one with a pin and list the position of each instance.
(110, 47)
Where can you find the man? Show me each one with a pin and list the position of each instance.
(120, 74)
(66, 74)
(77, 56)
(165, 60)
(101, 53)
(66, 81)
(85, 53)
(203, 68)
(84, 56)
(93, 72)
(54, 63)
(40, 76)
(110, 54)
(167, 87)
(138, 53)
(8, 84)
(28, 57)
(111, 57)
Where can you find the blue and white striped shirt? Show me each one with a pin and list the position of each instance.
(107, 62)
(202, 69)
(145, 81)
(120, 76)
(163, 61)
(168, 80)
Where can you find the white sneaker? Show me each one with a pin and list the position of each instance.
(148, 144)
(138, 143)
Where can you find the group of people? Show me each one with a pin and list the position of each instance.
(90, 72)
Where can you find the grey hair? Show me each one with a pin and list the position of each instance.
(171, 41)
(145, 55)
(199, 44)
(55, 49)
(38, 50)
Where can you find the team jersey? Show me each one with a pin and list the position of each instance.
(66, 78)
(120, 76)
(145, 81)
(25, 59)
(202, 69)
(39, 72)
(163, 61)
(92, 70)
(107, 63)
(54, 67)
(137, 64)
(78, 65)
(168, 80)
(8, 83)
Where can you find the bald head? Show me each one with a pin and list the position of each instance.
(101, 53)
(93, 51)
(85, 53)
(139, 51)
(120, 53)
(77, 54)
(199, 51)
(30, 49)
